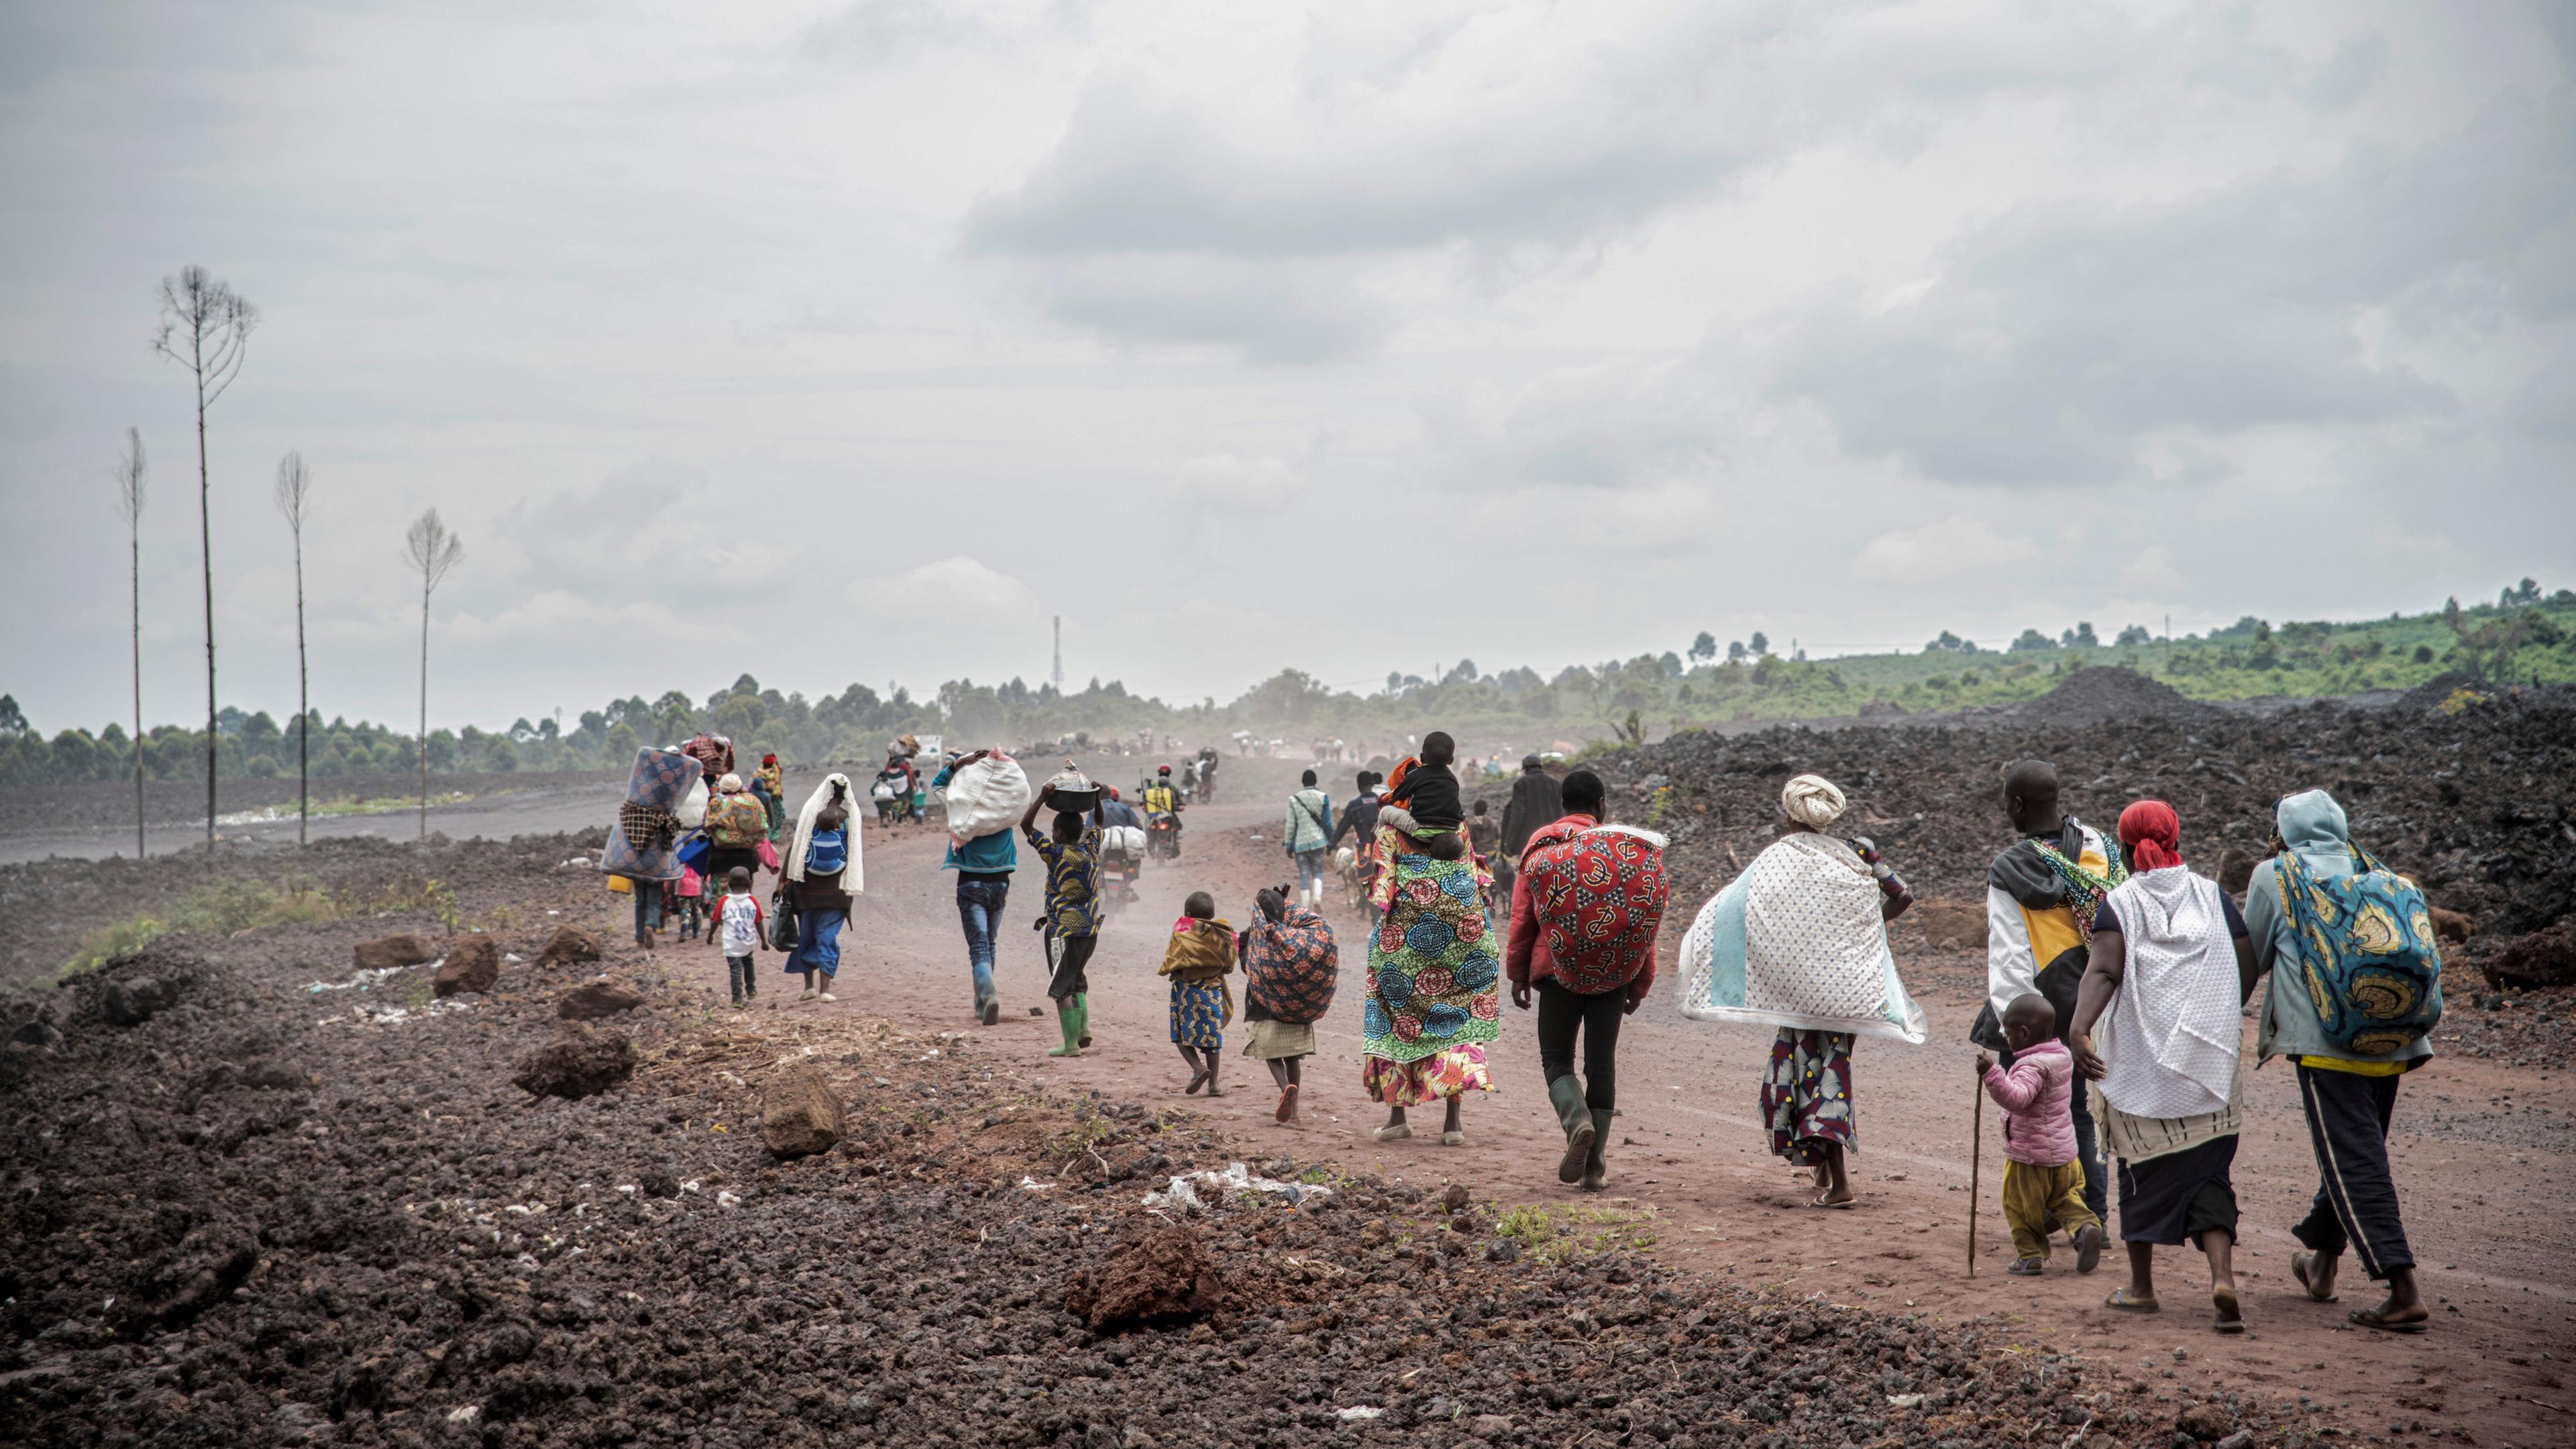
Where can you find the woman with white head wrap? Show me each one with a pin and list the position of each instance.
(821, 874)
(1799, 943)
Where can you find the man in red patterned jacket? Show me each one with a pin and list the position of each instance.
(1586, 905)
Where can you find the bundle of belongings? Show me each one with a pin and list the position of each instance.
(642, 845)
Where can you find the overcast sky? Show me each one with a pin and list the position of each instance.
(852, 341)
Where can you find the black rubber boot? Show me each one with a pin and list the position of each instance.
(1566, 1094)
(1596, 1176)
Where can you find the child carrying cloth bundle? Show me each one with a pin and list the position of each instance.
(1196, 961)
(1291, 965)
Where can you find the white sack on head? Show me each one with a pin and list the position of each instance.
(853, 878)
(986, 797)
(1812, 801)
(1798, 940)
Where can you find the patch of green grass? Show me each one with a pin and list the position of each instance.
(1553, 1233)
(228, 907)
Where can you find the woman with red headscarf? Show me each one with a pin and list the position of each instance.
(2170, 972)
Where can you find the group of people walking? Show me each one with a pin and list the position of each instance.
(2116, 977)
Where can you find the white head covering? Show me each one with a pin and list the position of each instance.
(729, 784)
(1812, 801)
(853, 880)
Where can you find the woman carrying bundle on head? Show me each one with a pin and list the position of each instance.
(1799, 943)
(820, 876)
(2170, 971)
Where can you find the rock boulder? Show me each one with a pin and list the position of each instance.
(598, 997)
(1160, 1277)
(579, 1062)
(391, 952)
(472, 964)
(134, 1000)
(800, 1114)
(571, 946)
(1952, 925)
(2543, 958)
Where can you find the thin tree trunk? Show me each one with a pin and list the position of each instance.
(206, 555)
(424, 710)
(134, 576)
(303, 708)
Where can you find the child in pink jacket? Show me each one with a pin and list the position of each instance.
(2042, 1179)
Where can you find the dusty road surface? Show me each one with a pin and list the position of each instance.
(2485, 1155)
(2483, 1150)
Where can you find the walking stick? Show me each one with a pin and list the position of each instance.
(1976, 1168)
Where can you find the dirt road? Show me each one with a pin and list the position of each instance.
(2485, 1155)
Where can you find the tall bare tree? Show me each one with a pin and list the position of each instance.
(205, 328)
(294, 490)
(430, 548)
(129, 506)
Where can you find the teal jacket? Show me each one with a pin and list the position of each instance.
(993, 854)
(2313, 825)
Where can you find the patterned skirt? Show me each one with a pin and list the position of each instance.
(1807, 1097)
(1199, 1011)
(1453, 1072)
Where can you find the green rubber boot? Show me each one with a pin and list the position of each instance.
(1596, 1176)
(1082, 1004)
(1566, 1094)
(1069, 1021)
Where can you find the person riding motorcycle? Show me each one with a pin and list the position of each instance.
(1162, 803)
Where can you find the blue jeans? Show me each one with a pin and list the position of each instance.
(818, 943)
(979, 907)
(2088, 1151)
(1310, 868)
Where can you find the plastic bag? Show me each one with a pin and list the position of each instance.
(768, 854)
(693, 807)
(986, 797)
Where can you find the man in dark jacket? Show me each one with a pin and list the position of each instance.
(1536, 800)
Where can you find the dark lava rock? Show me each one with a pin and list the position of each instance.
(135, 1000)
(800, 1114)
(1161, 1276)
(592, 1000)
(579, 1062)
(391, 951)
(2542, 958)
(37, 1032)
(473, 964)
(571, 946)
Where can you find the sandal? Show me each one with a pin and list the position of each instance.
(1394, 1132)
(2231, 1318)
(1197, 1080)
(2027, 1267)
(2369, 1318)
(1287, 1104)
(1825, 1200)
(2088, 1247)
(2121, 1300)
(2300, 1263)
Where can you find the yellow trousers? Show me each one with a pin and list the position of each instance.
(2033, 1195)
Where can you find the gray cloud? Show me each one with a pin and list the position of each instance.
(2058, 345)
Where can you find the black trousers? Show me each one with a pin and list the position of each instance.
(1068, 955)
(2356, 1203)
(1560, 1014)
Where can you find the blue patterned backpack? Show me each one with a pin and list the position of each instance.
(2366, 953)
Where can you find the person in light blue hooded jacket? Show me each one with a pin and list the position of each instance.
(2348, 1098)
